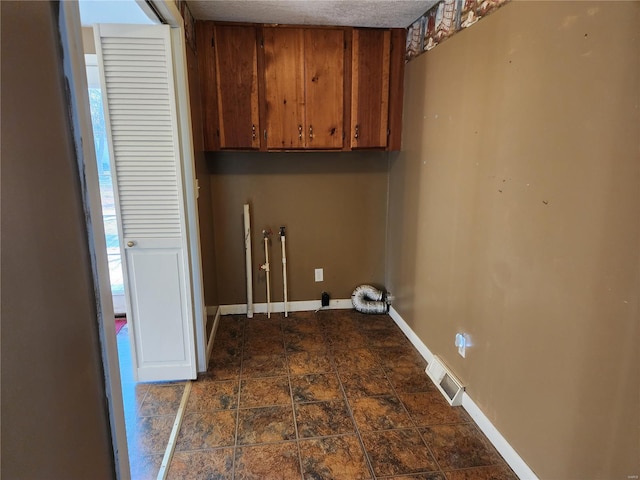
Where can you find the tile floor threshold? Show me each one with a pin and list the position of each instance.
(318, 395)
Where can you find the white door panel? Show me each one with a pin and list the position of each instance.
(160, 319)
(140, 113)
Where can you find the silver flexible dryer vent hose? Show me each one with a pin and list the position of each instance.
(368, 299)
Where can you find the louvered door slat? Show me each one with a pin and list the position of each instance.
(138, 93)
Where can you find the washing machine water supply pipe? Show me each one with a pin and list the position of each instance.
(247, 252)
(283, 240)
(267, 270)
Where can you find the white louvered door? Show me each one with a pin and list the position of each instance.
(140, 113)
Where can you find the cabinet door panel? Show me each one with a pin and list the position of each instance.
(370, 88)
(237, 81)
(208, 85)
(284, 87)
(324, 87)
(396, 87)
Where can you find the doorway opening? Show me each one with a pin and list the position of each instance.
(107, 201)
(143, 250)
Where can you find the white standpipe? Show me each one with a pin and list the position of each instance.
(283, 239)
(247, 251)
(265, 267)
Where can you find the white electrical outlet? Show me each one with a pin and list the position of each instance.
(319, 274)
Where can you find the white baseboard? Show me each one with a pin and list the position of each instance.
(278, 307)
(411, 335)
(514, 460)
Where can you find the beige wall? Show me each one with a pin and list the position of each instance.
(54, 418)
(332, 204)
(515, 217)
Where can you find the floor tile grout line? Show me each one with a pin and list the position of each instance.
(485, 441)
(417, 428)
(171, 445)
(335, 435)
(355, 425)
(293, 405)
(383, 367)
(239, 380)
(502, 464)
(144, 397)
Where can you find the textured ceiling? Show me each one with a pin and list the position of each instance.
(357, 13)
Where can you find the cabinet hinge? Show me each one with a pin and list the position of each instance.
(218, 132)
(388, 132)
(212, 41)
(343, 136)
(262, 43)
(265, 134)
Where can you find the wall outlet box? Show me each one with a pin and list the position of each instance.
(324, 299)
(319, 272)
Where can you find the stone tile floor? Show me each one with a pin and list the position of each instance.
(327, 395)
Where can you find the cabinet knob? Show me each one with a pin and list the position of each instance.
(310, 132)
(357, 132)
(300, 132)
(130, 243)
(253, 132)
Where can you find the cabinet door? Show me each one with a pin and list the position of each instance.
(208, 87)
(324, 87)
(284, 87)
(237, 84)
(370, 88)
(396, 88)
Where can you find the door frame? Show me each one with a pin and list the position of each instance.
(69, 26)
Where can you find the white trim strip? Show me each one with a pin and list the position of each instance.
(300, 306)
(76, 77)
(212, 335)
(411, 335)
(512, 458)
(185, 135)
(171, 446)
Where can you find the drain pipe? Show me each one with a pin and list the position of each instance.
(368, 299)
(283, 239)
(247, 251)
(265, 267)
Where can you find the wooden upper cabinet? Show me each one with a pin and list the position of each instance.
(300, 88)
(370, 63)
(284, 87)
(304, 87)
(324, 87)
(230, 102)
(396, 88)
(208, 85)
(237, 81)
